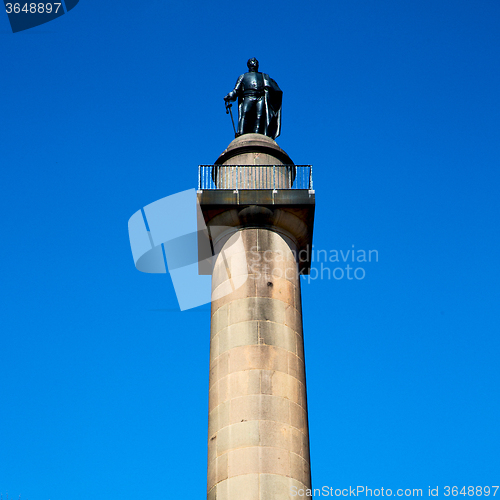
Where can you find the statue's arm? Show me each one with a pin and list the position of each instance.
(236, 91)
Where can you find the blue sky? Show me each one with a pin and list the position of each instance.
(112, 106)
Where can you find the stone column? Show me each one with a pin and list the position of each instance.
(258, 444)
(258, 441)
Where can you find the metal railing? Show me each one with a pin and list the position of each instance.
(237, 177)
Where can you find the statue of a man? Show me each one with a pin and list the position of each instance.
(259, 102)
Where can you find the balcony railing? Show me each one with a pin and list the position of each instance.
(237, 177)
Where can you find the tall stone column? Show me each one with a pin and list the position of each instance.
(258, 442)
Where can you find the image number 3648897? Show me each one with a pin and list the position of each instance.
(26, 15)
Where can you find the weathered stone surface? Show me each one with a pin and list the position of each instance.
(275, 434)
(218, 418)
(300, 469)
(298, 418)
(221, 467)
(257, 308)
(258, 436)
(300, 346)
(278, 335)
(260, 407)
(255, 382)
(243, 487)
(211, 495)
(238, 335)
(244, 383)
(286, 386)
(239, 435)
(293, 319)
(274, 487)
(274, 461)
(243, 461)
(220, 318)
(212, 448)
(264, 357)
(256, 149)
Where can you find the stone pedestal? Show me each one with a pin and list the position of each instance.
(253, 150)
(258, 443)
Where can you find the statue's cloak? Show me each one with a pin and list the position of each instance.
(273, 97)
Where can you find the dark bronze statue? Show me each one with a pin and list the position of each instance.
(259, 102)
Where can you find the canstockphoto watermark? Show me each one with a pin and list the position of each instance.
(365, 491)
(354, 491)
(325, 264)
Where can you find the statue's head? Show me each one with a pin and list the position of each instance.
(253, 64)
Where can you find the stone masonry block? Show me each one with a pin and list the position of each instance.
(241, 334)
(297, 442)
(211, 494)
(214, 348)
(274, 461)
(293, 319)
(211, 474)
(275, 288)
(278, 335)
(300, 469)
(285, 386)
(266, 384)
(262, 357)
(222, 468)
(218, 418)
(293, 365)
(232, 289)
(260, 407)
(298, 417)
(243, 461)
(275, 487)
(239, 435)
(213, 397)
(220, 318)
(271, 240)
(298, 485)
(257, 308)
(244, 487)
(275, 434)
(212, 448)
(243, 383)
(300, 346)
(219, 368)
